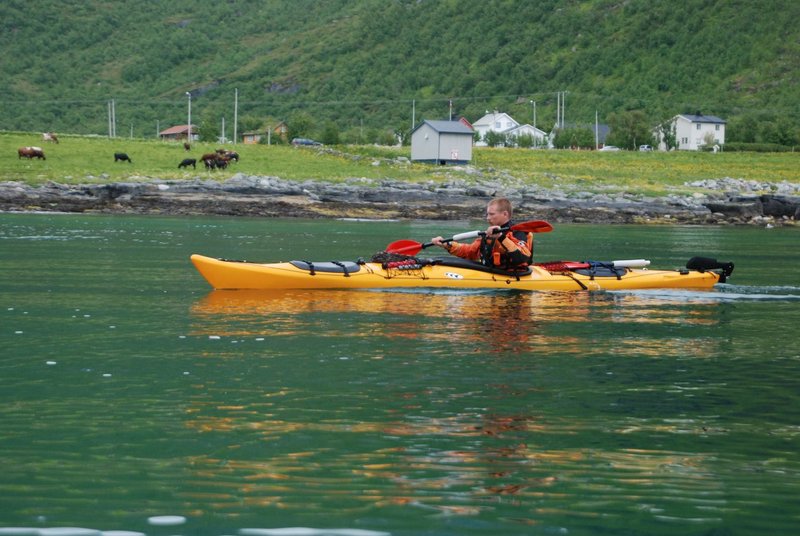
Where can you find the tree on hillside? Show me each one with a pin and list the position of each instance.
(780, 131)
(403, 135)
(629, 129)
(207, 130)
(573, 138)
(300, 125)
(386, 137)
(742, 129)
(330, 134)
(250, 123)
(762, 128)
(667, 133)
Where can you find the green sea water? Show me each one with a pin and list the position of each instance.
(130, 391)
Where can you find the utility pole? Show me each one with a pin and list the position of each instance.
(596, 132)
(189, 125)
(558, 110)
(235, 115)
(112, 119)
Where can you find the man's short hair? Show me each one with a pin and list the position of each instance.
(503, 205)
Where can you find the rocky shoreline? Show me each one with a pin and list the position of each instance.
(725, 201)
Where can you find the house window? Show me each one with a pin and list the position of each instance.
(716, 127)
(497, 125)
(509, 124)
(698, 126)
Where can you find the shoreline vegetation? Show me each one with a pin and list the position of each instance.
(80, 174)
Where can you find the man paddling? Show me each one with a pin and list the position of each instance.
(498, 247)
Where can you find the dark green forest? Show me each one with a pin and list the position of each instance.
(365, 68)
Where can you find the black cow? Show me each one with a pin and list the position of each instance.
(121, 157)
(186, 162)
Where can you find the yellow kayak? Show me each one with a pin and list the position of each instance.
(454, 273)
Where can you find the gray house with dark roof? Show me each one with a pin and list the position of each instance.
(442, 142)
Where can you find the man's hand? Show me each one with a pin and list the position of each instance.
(438, 241)
(494, 231)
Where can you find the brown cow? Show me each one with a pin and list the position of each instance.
(31, 153)
(210, 160)
(49, 136)
(215, 161)
(230, 155)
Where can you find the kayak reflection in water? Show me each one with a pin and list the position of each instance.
(499, 246)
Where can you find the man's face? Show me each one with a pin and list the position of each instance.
(495, 216)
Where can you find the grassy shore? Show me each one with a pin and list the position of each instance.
(78, 160)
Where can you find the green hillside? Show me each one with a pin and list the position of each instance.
(367, 67)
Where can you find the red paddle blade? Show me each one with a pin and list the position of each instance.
(405, 247)
(534, 226)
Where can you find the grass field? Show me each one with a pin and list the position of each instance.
(91, 159)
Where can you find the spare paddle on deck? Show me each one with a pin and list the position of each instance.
(410, 247)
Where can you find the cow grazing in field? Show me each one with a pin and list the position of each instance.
(214, 161)
(122, 157)
(186, 162)
(186, 146)
(230, 155)
(31, 153)
(49, 136)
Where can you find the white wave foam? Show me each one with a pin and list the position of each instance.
(722, 294)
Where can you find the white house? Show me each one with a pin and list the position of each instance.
(693, 132)
(495, 121)
(502, 123)
(442, 142)
(538, 135)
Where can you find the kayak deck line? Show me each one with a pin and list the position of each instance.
(454, 273)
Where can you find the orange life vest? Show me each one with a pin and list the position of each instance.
(512, 250)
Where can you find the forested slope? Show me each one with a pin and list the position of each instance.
(370, 64)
